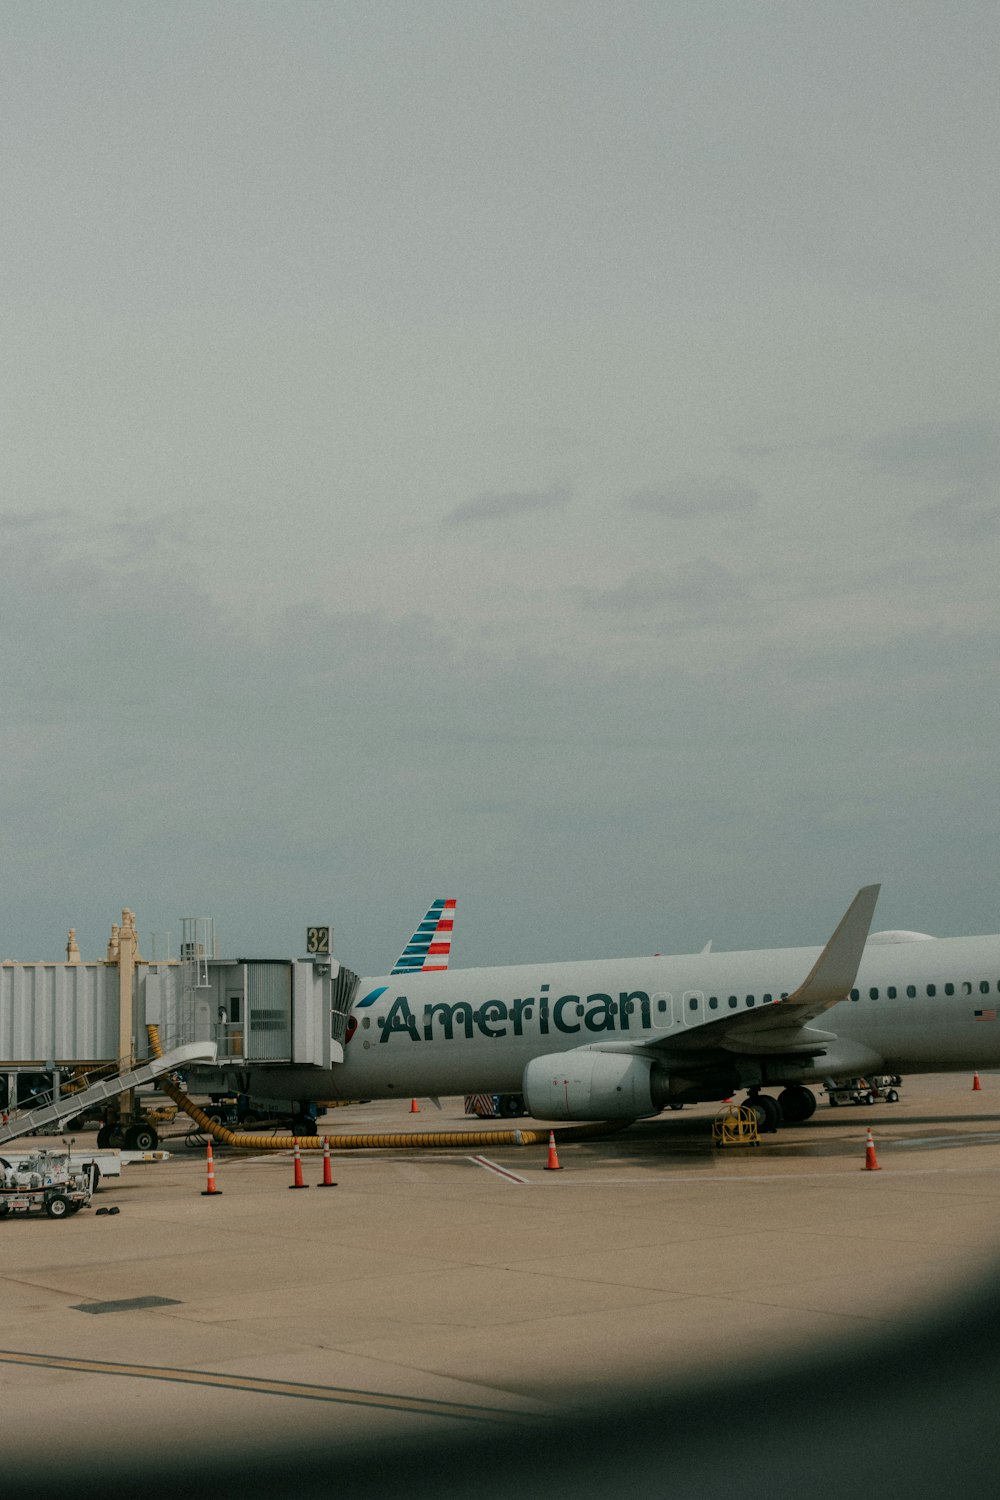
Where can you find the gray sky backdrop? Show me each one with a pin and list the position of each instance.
(540, 454)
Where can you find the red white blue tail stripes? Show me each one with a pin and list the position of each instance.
(430, 946)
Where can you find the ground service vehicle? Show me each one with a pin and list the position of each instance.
(45, 1182)
(864, 1090)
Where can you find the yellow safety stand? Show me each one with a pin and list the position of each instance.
(735, 1125)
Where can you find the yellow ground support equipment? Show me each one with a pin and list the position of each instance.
(400, 1140)
(735, 1125)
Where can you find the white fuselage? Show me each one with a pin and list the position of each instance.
(923, 1005)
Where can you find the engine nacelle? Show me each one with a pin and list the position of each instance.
(585, 1085)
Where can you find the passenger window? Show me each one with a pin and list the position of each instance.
(579, 1008)
(873, 994)
(984, 986)
(949, 989)
(966, 987)
(766, 1000)
(713, 1002)
(855, 994)
(932, 990)
(891, 992)
(661, 1005)
(733, 1002)
(366, 1021)
(911, 990)
(693, 1003)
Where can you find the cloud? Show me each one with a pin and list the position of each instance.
(763, 450)
(31, 520)
(695, 497)
(698, 587)
(497, 506)
(939, 452)
(964, 517)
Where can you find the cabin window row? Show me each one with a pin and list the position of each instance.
(733, 1001)
(965, 988)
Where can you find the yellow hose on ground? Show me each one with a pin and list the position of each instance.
(394, 1141)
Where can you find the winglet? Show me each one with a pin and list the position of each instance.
(836, 969)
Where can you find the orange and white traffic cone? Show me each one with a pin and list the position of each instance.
(976, 1085)
(414, 1107)
(871, 1161)
(327, 1166)
(211, 1191)
(298, 1182)
(552, 1165)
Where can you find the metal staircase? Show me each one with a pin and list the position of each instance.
(51, 1114)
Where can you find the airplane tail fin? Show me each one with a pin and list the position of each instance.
(430, 946)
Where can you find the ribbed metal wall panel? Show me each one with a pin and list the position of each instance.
(269, 1012)
(66, 1012)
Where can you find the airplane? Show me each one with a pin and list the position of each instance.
(627, 1038)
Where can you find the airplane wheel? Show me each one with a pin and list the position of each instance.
(797, 1103)
(767, 1110)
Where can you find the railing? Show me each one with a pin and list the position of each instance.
(229, 1038)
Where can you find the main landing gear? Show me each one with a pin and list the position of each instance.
(793, 1105)
(797, 1103)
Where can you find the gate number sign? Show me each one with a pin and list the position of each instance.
(319, 940)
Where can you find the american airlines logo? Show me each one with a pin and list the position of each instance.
(597, 1013)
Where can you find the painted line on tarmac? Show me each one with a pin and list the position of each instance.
(341, 1396)
(987, 1138)
(726, 1179)
(491, 1166)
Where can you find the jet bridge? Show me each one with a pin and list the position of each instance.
(265, 1011)
(66, 1021)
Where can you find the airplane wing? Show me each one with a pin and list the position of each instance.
(782, 1026)
(430, 946)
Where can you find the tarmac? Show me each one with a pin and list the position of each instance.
(474, 1289)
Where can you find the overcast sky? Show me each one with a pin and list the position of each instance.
(540, 454)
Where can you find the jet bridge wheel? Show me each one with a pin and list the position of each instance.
(797, 1103)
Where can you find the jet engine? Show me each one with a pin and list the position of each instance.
(586, 1085)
